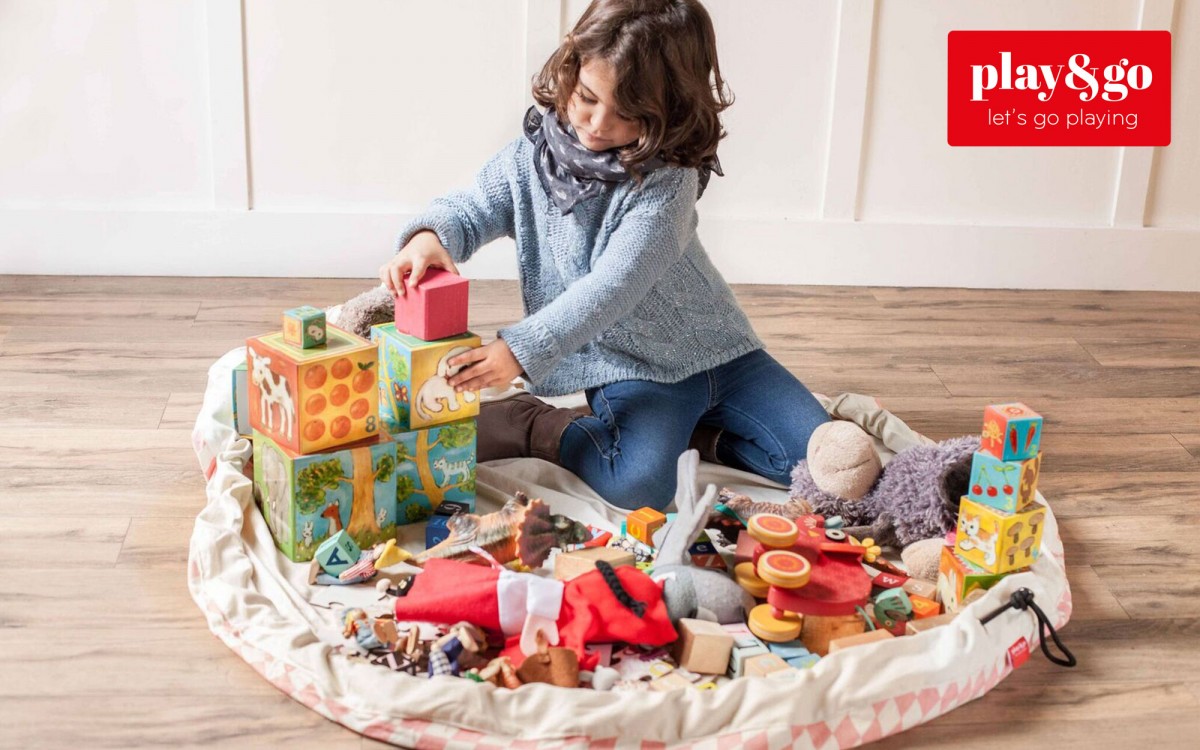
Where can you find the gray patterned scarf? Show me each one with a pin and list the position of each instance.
(571, 172)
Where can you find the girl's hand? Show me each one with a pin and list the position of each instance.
(422, 251)
(489, 365)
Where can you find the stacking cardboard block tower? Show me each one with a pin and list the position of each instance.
(1000, 523)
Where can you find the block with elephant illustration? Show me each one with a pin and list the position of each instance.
(1009, 486)
(996, 541)
(414, 391)
(310, 400)
(436, 465)
(306, 498)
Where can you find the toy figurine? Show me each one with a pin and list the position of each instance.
(522, 530)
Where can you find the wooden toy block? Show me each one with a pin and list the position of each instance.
(912, 627)
(742, 637)
(337, 553)
(923, 608)
(670, 681)
(308, 400)
(436, 531)
(850, 641)
(308, 498)
(917, 587)
(884, 580)
(1009, 486)
(241, 400)
(642, 523)
(996, 541)
(703, 647)
(892, 608)
(788, 650)
(450, 507)
(571, 565)
(435, 465)
(818, 632)
(436, 309)
(762, 665)
(739, 656)
(704, 554)
(304, 327)
(744, 552)
(414, 388)
(807, 661)
(1011, 432)
(958, 578)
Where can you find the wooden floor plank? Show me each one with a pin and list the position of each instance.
(991, 383)
(1144, 353)
(79, 541)
(1079, 452)
(1191, 443)
(24, 408)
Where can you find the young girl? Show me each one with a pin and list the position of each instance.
(621, 300)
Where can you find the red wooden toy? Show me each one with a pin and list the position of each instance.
(436, 309)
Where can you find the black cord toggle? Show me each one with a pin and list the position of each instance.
(1022, 598)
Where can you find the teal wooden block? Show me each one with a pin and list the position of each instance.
(737, 660)
(807, 661)
(1009, 486)
(434, 465)
(788, 651)
(337, 553)
(304, 327)
(1011, 432)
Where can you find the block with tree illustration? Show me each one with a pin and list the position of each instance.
(307, 498)
(434, 465)
(414, 388)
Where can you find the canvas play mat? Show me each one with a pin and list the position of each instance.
(262, 607)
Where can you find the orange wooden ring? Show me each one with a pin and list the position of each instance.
(773, 530)
(766, 625)
(784, 568)
(749, 580)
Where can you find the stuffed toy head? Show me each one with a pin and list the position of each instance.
(842, 460)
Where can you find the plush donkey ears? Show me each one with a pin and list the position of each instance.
(692, 513)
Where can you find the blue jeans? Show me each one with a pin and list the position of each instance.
(628, 450)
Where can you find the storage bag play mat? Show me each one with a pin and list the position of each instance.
(262, 606)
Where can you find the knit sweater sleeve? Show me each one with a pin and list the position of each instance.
(466, 220)
(650, 237)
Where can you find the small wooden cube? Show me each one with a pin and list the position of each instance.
(923, 608)
(917, 587)
(818, 632)
(912, 627)
(737, 659)
(849, 641)
(436, 309)
(742, 637)
(1009, 486)
(762, 665)
(1011, 432)
(808, 661)
(304, 327)
(703, 647)
(337, 553)
(789, 650)
(437, 530)
(670, 681)
(642, 523)
(571, 565)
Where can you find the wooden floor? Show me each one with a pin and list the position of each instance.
(101, 378)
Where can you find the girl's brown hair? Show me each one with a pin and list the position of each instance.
(664, 53)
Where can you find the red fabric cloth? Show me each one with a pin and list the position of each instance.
(449, 591)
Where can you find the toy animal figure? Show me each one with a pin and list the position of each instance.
(306, 534)
(522, 530)
(460, 469)
(976, 540)
(272, 390)
(438, 389)
(745, 507)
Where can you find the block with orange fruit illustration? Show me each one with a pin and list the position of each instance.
(414, 388)
(312, 399)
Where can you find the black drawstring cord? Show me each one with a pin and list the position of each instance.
(610, 577)
(1023, 599)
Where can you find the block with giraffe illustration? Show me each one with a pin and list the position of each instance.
(308, 497)
(435, 465)
(414, 391)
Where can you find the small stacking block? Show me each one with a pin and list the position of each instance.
(928, 623)
(892, 608)
(788, 650)
(958, 579)
(571, 565)
(414, 388)
(923, 608)
(1009, 486)
(818, 632)
(704, 554)
(437, 531)
(436, 465)
(1011, 432)
(450, 507)
(304, 327)
(761, 665)
(312, 399)
(642, 523)
(739, 656)
(850, 641)
(917, 587)
(436, 309)
(742, 637)
(703, 647)
(337, 553)
(307, 498)
(996, 541)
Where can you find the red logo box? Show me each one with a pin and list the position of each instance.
(1058, 88)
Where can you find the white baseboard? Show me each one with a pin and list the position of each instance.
(756, 251)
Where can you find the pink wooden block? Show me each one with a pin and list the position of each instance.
(436, 309)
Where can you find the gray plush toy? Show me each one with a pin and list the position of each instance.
(372, 307)
(687, 590)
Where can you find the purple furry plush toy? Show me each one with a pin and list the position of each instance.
(915, 497)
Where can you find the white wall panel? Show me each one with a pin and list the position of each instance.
(103, 104)
(377, 105)
(1175, 184)
(911, 174)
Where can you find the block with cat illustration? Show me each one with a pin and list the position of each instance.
(435, 465)
(1011, 432)
(414, 391)
(996, 541)
(1009, 486)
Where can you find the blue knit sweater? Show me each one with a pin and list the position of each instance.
(619, 289)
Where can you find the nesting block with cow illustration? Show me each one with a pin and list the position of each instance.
(958, 580)
(1011, 432)
(414, 391)
(308, 498)
(434, 465)
(304, 327)
(1009, 486)
(436, 309)
(313, 399)
(996, 541)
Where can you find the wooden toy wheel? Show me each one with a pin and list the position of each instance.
(771, 625)
(784, 569)
(749, 580)
(772, 530)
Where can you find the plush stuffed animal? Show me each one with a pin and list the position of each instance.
(357, 315)
(687, 590)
